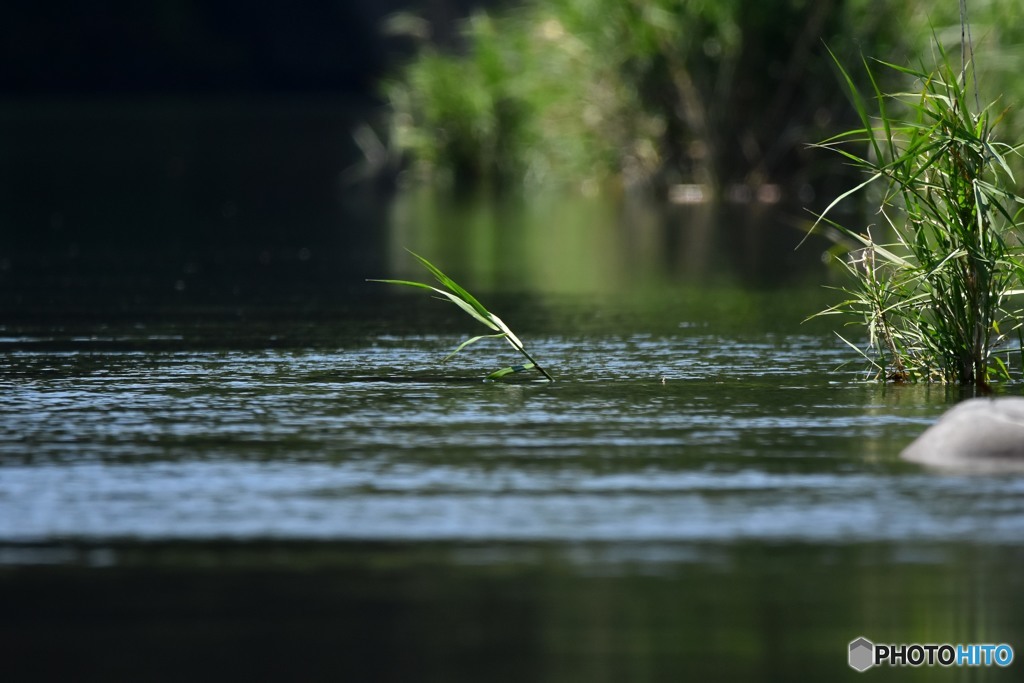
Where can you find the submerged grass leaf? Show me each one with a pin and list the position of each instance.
(498, 374)
(459, 296)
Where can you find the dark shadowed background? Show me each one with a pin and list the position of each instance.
(177, 152)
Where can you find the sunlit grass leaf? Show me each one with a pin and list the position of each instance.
(454, 298)
(454, 287)
(458, 295)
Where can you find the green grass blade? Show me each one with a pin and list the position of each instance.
(838, 199)
(455, 299)
(453, 286)
(512, 338)
(463, 299)
(999, 160)
(498, 374)
(473, 340)
(468, 308)
(914, 73)
(407, 283)
(871, 361)
(886, 120)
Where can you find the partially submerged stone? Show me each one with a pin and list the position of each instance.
(983, 434)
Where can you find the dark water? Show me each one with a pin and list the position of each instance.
(242, 461)
(686, 499)
(688, 437)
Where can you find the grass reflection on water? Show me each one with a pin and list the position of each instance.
(550, 612)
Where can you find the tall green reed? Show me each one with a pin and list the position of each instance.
(933, 282)
(459, 296)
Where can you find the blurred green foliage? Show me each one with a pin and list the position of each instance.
(584, 92)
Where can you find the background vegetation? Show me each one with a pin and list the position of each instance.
(715, 92)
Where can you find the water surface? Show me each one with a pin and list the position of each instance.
(231, 458)
(688, 436)
(692, 495)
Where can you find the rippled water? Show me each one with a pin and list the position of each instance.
(686, 497)
(683, 437)
(224, 456)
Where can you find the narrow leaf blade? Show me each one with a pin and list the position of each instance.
(498, 374)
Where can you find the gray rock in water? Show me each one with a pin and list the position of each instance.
(985, 434)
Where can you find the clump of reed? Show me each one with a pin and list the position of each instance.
(934, 280)
(459, 296)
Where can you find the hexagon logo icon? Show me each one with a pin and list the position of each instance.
(862, 654)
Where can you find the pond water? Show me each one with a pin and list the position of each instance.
(692, 436)
(225, 455)
(691, 496)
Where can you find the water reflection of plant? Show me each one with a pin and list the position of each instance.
(468, 303)
(934, 299)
